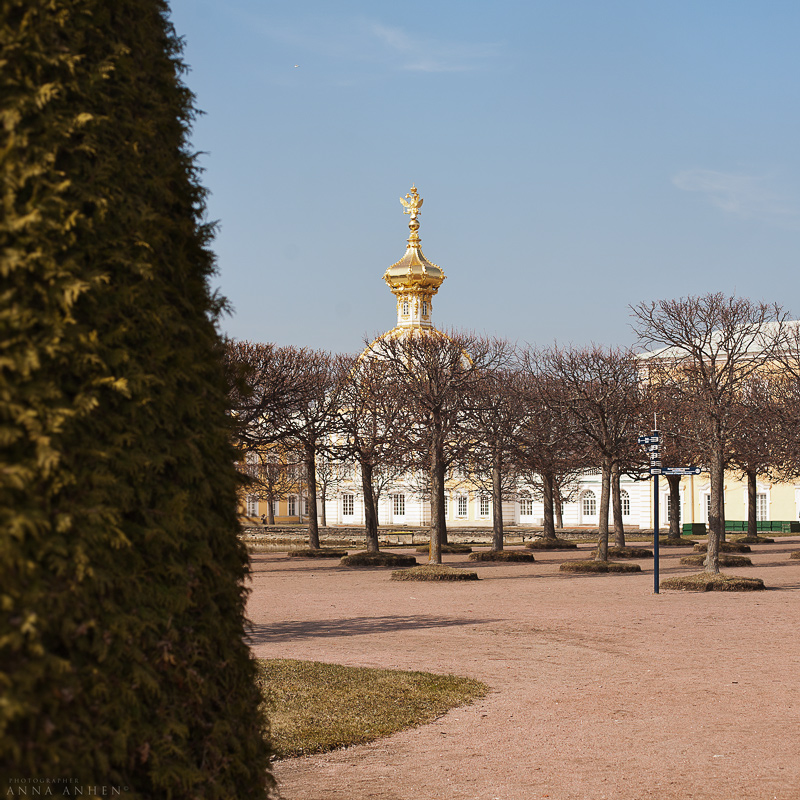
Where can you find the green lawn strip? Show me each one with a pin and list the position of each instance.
(315, 707)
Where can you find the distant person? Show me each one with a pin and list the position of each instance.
(263, 519)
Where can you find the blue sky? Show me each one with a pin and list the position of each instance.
(575, 157)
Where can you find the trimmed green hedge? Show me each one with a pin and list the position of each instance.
(122, 653)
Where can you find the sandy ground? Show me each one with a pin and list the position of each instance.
(599, 687)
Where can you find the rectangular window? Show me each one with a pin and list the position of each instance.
(526, 507)
(761, 507)
(305, 506)
(399, 505)
(348, 506)
(292, 506)
(708, 508)
(484, 508)
(252, 506)
(669, 509)
(462, 505)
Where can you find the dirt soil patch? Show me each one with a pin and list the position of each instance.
(600, 689)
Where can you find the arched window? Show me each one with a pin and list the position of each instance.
(626, 503)
(588, 504)
(405, 308)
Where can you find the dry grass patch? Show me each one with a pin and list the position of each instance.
(365, 558)
(598, 566)
(433, 572)
(724, 547)
(677, 542)
(502, 555)
(754, 540)
(311, 552)
(315, 707)
(628, 552)
(452, 549)
(725, 560)
(551, 544)
(796, 554)
(709, 582)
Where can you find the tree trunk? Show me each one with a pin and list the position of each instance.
(370, 511)
(310, 458)
(323, 496)
(497, 499)
(558, 504)
(438, 524)
(616, 501)
(271, 509)
(716, 515)
(605, 492)
(674, 482)
(752, 498)
(547, 492)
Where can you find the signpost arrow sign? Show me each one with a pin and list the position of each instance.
(681, 471)
(649, 439)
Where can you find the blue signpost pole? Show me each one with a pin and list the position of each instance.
(655, 533)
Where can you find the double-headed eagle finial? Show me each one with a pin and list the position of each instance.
(412, 203)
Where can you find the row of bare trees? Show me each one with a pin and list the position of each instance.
(723, 382)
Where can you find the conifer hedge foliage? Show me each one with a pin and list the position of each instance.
(122, 660)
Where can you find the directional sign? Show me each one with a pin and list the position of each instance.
(656, 471)
(681, 471)
(649, 439)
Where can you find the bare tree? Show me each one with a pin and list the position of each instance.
(293, 397)
(546, 451)
(493, 416)
(599, 387)
(436, 372)
(712, 347)
(374, 426)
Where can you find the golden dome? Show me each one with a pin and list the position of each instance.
(413, 270)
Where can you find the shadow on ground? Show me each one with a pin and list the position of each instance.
(354, 626)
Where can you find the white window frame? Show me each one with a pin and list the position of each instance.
(305, 505)
(291, 503)
(762, 506)
(251, 506)
(525, 505)
(625, 502)
(398, 505)
(462, 506)
(348, 505)
(588, 500)
(406, 308)
(484, 506)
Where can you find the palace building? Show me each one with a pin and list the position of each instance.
(414, 281)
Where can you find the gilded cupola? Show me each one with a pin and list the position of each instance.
(413, 279)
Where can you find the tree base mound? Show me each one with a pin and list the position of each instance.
(598, 566)
(724, 547)
(725, 560)
(312, 552)
(709, 582)
(501, 555)
(796, 554)
(754, 540)
(433, 572)
(551, 544)
(628, 552)
(366, 558)
(447, 548)
(677, 542)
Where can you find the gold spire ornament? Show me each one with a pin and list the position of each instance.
(413, 279)
(412, 202)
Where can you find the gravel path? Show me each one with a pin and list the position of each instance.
(599, 688)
